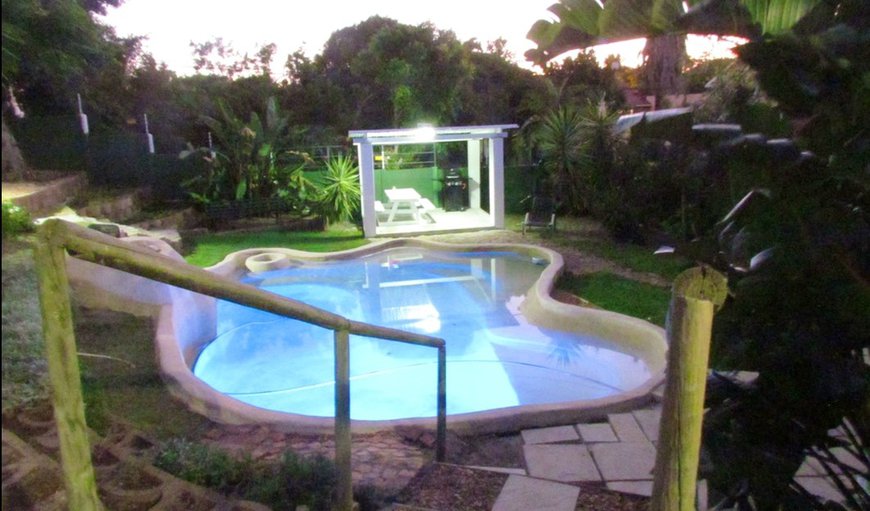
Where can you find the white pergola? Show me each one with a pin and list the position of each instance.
(366, 140)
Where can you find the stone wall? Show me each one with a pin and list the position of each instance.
(59, 189)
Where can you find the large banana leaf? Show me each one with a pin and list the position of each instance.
(586, 23)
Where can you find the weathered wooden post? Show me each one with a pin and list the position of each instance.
(63, 370)
(696, 293)
(344, 488)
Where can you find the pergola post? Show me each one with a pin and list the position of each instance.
(496, 181)
(474, 174)
(366, 158)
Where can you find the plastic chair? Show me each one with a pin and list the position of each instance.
(541, 214)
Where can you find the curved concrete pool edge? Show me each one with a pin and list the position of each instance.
(178, 345)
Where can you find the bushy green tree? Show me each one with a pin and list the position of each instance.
(381, 73)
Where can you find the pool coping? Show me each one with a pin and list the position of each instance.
(178, 344)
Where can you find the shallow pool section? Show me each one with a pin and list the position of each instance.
(496, 358)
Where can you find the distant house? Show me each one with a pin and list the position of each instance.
(638, 102)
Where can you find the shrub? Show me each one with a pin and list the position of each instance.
(16, 220)
(205, 466)
(340, 195)
(295, 481)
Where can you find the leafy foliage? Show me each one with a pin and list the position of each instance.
(252, 160)
(795, 252)
(294, 482)
(52, 49)
(16, 220)
(340, 195)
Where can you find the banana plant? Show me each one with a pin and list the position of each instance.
(585, 23)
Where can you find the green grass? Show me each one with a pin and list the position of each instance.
(635, 257)
(120, 377)
(619, 294)
(585, 235)
(210, 249)
(24, 368)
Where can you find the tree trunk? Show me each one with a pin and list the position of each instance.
(663, 65)
(14, 166)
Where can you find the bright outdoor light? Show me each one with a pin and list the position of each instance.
(424, 133)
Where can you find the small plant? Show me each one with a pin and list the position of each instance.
(16, 220)
(294, 482)
(205, 466)
(340, 195)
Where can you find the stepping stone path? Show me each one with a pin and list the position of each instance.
(618, 452)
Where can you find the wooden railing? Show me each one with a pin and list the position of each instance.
(56, 237)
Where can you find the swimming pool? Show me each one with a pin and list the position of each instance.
(511, 350)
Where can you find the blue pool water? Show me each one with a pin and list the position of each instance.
(495, 358)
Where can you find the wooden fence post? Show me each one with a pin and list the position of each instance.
(63, 370)
(696, 293)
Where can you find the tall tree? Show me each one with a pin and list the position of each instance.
(52, 51)
(391, 74)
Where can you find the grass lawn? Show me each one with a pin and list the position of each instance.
(619, 294)
(210, 249)
(24, 366)
(581, 234)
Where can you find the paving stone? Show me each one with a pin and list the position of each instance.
(624, 461)
(500, 470)
(649, 421)
(597, 432)
(550, 435)
(643, 488)
(821, 487)
(841, 454)
(626, 427)
(808, 468)
(565, 463)
(523, 493)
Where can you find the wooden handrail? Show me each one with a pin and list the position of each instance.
(87, 244)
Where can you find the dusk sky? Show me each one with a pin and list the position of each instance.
(171, 25)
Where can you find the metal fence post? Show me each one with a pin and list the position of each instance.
(441, 428)
(344, 488)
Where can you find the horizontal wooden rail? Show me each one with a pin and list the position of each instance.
(90, 245)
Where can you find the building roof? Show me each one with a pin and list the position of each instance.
(429, 134)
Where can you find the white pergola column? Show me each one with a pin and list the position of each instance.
(496, 181)
(474, 174)
(366, 158)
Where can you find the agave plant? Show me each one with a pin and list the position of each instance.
(340, 195)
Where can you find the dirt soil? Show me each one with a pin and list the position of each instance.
(453, 486)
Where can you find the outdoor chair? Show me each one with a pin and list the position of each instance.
(541, 214)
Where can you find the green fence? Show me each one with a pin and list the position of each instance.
(116, 158)
(111, 158)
